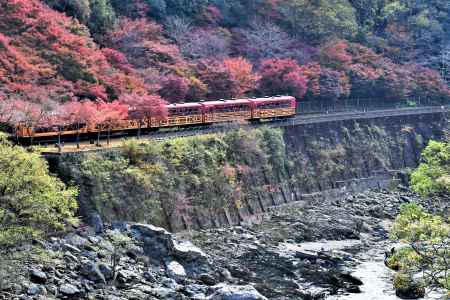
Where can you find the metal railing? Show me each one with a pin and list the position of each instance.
(365, 104)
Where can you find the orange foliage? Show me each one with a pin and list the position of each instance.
(241, 71)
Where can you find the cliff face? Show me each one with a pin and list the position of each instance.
(235, 177)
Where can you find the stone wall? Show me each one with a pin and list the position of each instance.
(326, 160)
(331, 160)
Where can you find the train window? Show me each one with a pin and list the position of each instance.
(275, 105)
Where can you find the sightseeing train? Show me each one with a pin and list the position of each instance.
(181, 114)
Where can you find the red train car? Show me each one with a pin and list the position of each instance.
(182, 114)
(273, 107)
(227, 110)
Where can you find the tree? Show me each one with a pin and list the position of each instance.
(333, 84)
(206, 43)
(132, 9)
(144, 46)
(429, 84)
(102, 17)
(445, 63)
(319, 20)
(144, 107)
(174, 88)
(265, 40)
(33, 203)
(79, 9)
(335, 54)
(54, 54)
(428, 238)
(27, 114)
(282, 76)
(120, 243)
(109, 115)
(78, 114)
(220, 83)
(241, 71)
(432, 177)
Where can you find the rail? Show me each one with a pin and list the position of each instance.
(346, 113)
(306, 119)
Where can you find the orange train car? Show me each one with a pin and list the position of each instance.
(183, 114)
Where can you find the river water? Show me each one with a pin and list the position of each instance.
(376, 277)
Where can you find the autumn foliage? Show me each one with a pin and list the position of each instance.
(282, 76)
(73, 59)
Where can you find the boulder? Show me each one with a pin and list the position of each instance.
(69, 290)
(207, 279)
(236, 292)
(105, 270)
(176, 271)
(196, 289)
(37, 276)
(96, 222)
(76, 240)
(33, 290)
(156, 240)
(187, 251)
(127, 276)
(92, 272)
(71, 248)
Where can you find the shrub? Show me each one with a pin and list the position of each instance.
(33, 202)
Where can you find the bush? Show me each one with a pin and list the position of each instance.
(33, 202)
(408, 288)
(210, 172)
(432, 177)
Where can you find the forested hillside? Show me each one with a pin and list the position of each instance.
(56, 53)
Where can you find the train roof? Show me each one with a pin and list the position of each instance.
(227, 102)
(184, 105)
(277, 98)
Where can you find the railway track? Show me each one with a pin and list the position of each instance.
(302, 119)
(309, 119)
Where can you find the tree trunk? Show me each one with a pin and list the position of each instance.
(59, 139)
(98, 138)
(109, 136)
(78, 135)
(139, 130)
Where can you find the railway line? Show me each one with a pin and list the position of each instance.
(300, 119)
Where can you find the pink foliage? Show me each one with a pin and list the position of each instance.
(282, 76)
(174, 88)
(144, 106)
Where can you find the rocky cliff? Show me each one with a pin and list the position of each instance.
(235, 177)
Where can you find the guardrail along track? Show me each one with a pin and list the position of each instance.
(301, 119)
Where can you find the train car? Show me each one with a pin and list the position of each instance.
(180, 115)
(227, 110)
(23, 131)
(122, 125)
(273, 107)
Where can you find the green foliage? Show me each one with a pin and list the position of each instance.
(79, 9)
(414, 225)
(183, 8)
(102, 17)
(427, 236)
(433, 175)
(98, 15)
(320, 19)
(32, 202)
(168, 178)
